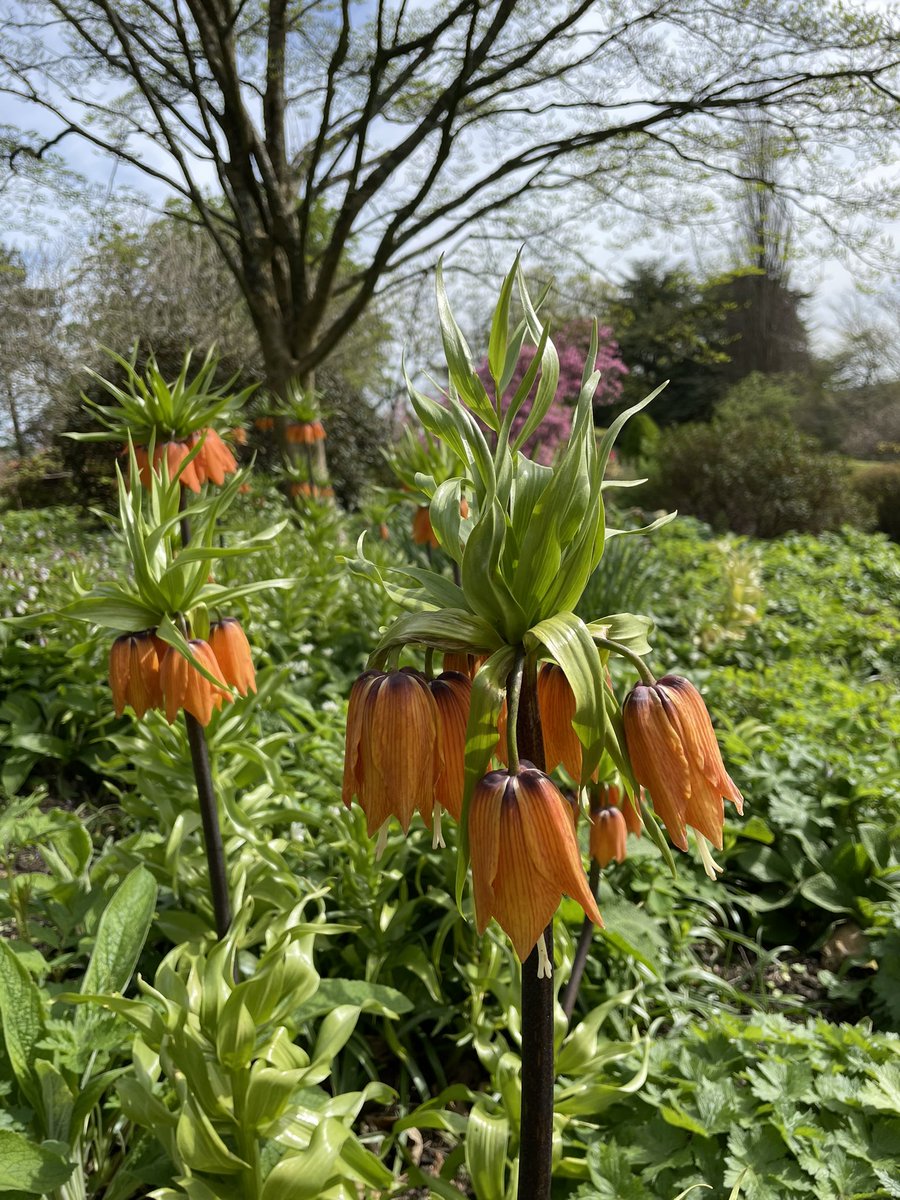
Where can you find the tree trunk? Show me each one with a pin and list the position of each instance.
(19, 440)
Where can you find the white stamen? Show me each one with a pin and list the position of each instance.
(382, 841)
(437, 837)
(710, 866)
(545, 967)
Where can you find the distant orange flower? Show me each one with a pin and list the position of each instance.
(452, 694)
(393, 752)
(422, 531)
(524, 856)
(134, 661)
(610, 793)
(608, 835)
(239, 435)
(305, 432)
(214, 459)
(556, 702)
(264, 424)
(674, 753)
(229, 644)
(174, 453)
(463, 507)
(184, 687)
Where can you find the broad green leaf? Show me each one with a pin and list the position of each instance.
(568, 642)
(448, 630)
(22, 1011)
(26, 1167)
(121, 934)
(200, 1147)
(487, 1138)
(459, 358)
(499, 338)
(306, 1175)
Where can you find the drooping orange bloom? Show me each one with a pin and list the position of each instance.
(608, 835)
(264, 424)
(305, 432)
(452, 693)
(134, 662)
(611, 793)
(394, 750)
(465, 664)
(312, 491)
(422, 531)
(214, 459)
(174, 453)
(674, 753)
(239, 435)
(184, 687)
(229, 644)
(524, 855)
(556, 703)
(463, 507)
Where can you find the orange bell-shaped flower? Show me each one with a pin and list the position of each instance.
(394, 755)
(229, 644)
(465, 664)
(674, 754)
(611, 793)
(524, 856)
(184, 687)
(556, 703)
(175, 453)
(134, 673)
(214, 459)
(452, 693)
(422, 531)
(608, 835)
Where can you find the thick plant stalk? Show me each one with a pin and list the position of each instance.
(570, 995)
(206, 795)
(209, 815)
(538, 1068)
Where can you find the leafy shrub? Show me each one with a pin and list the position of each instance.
(880, 487)
(763, 478)
(639, 439)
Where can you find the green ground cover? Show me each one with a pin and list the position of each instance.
(743, 1031)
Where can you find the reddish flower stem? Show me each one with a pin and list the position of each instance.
(206, 794)
(212, 833)
(538, 1066)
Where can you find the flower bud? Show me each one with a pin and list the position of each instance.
(608, 836)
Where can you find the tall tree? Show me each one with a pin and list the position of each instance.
(403, 126)
(764, 322)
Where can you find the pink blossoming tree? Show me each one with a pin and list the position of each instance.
(571, 340)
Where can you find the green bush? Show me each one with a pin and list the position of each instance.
(758, 477)
(880, 486)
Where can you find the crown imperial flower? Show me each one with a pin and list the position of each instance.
(608, 835)
(184, 687)
(452, 692)
(229, 644)
(394, 751)
(556, 702)
(134, 661)
(214, 459)
(422, 531)
(674, 754)
(524, 855)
